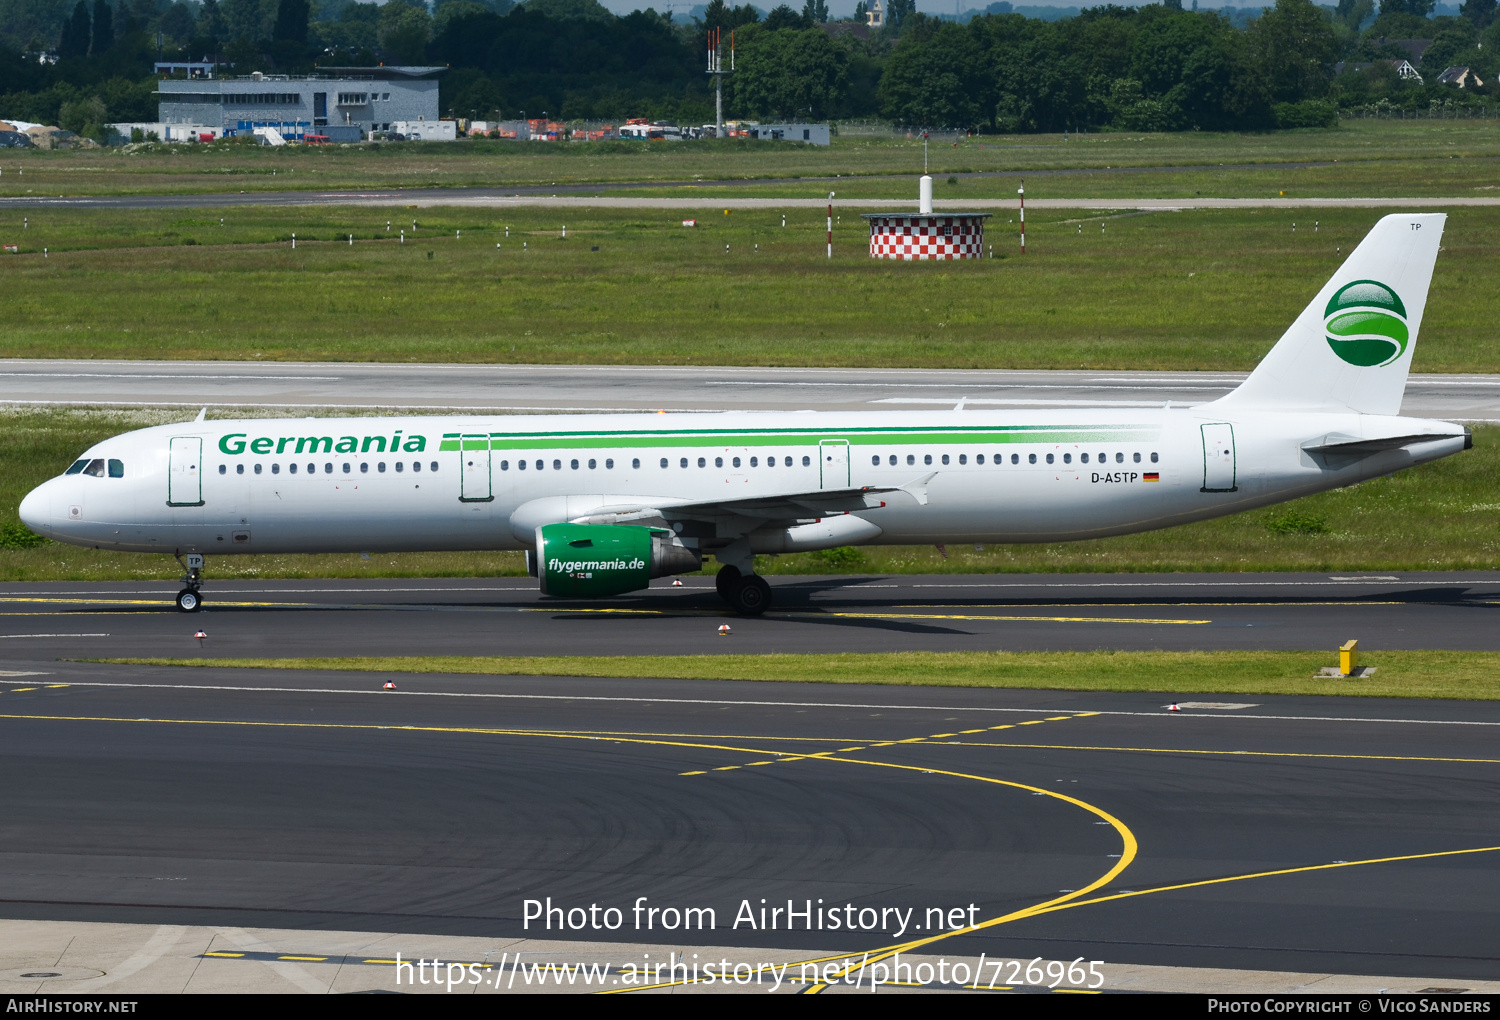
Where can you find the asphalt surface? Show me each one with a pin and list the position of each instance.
(305, 800)
(591, 195)
(508, 616)
(557, 388)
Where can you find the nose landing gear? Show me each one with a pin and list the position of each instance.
(189, 600)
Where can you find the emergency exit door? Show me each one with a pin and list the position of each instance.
(833, 459)
(1218, 458)
(474, 469)
(185, 471)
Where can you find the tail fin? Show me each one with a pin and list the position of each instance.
(1351, 348)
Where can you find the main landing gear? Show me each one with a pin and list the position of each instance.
(189, 600)
(748, 594)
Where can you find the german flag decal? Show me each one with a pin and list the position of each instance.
(1152, 476)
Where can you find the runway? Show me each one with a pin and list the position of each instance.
(508, 616)
(557, 388)
(593, 195)
(1347, 836)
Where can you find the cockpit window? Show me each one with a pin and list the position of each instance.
(95, 468)
(77, 467)
(116, 468)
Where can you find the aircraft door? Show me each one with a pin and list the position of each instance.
(475, 485)
(833, 460)
(1218, 458)
(185, 471)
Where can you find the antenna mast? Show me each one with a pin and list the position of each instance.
(716, 68)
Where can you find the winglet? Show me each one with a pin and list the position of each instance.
(202, 415)
(918, 489)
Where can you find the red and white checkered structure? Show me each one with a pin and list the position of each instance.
(920, 236)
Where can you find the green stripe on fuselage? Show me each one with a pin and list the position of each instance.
(807, 437)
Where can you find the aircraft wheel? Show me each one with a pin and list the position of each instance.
(750, 595)
(724, 580)
(189, 601)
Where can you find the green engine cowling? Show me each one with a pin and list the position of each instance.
(595, 560)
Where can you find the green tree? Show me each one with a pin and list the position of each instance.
(211, 20)
(784, 17)
(563, 10)
(404, 31)
(104, 28)
(936, 78)
(1295, 46)
(1416, 8)
(1479, 12)
(178, 23)
(291, 22)
(790, 74)
(243, 19)
(74, 41)
(898, 12)
(815, 12)
(452, 11)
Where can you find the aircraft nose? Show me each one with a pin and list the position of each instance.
(35, 511)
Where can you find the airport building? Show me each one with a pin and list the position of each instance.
(344, 103)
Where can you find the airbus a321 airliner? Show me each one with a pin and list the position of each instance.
(604, 503)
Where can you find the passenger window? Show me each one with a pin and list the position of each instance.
(223, 469)
(977, 460)
(1015, 458)
(593, 464)
(239, 469)
(893, 460)
(963, 458)
(276, 468)
(1067, 458)
(684, 462)
(574, 464)
(77, 467)
(327, 469)
(806, 462)
(1153, 458)
(292, 468)
(95, 468)
(927, 459)
(399, 466)
(754, 462)
(736, 462)
(1083, 458)
(557, 465)
(433, 465)
(910, 459)
(718, 462)
(364, 467)
(664, 462)
(945, 458)
(875, 460)
(1119, 458)
(520, 466)
(416, 465)
(1136, 457)
(257, 469)
(1031, 458)
(702, 462)
(1049, 458)
(539, 465)
(347, 468)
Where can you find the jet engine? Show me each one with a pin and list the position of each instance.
(595, 560)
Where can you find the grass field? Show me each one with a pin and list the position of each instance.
(1442, 516)
(1171, 290)
(1423, 145)
(1434, 674)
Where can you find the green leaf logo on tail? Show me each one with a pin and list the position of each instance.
(1366, 324)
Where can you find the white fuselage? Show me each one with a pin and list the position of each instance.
(434, 483)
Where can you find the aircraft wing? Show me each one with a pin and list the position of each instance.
(776, 507)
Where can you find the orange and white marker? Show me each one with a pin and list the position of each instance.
(389, 686)
(723, 630)
(1173, 707)
(676, 582)
(200, 635)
